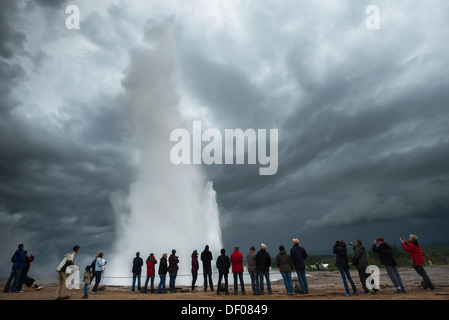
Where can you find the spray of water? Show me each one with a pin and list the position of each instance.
(169, 206)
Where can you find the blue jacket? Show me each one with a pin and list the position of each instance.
(18, 259)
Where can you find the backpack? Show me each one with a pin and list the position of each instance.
(13, 256)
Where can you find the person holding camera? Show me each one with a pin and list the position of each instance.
(360, 260)
(414, 249)
(387, 259)
(342, 263)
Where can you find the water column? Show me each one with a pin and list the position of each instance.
(168, 206)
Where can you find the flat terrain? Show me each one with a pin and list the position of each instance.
(323, 285)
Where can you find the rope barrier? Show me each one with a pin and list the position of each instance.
(178, 275)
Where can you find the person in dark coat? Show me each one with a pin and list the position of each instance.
(162, 271)
(223, 265)
(360, 260)
(137, 270)
(342, 263)
(298, 254)
(18, 262)
(386, 258)
(25, 270)
(173, 268)
(285, 265)
(263, 264)
(206, 258)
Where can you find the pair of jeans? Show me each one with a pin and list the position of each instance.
(238, 275)
(145, 290)
(194, 277)
(393, 273)
(207, 274)
(287, 276)
(173, 280)
(161, 286)
(425, 277)
(86, 285)
(14, 278)
(254, 280)
(262, 274)
(136, 276)
(302, 280)
(220, 277)
(346, 274)
(97, 281)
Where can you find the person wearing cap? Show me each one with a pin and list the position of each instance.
(263, 264)
(237, 269)
(86, 279)
(298, 254)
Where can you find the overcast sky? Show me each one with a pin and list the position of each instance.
(362, 116)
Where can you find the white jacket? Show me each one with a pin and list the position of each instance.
(65, 262)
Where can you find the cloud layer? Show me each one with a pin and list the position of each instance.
(362, 117)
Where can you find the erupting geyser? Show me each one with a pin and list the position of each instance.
(169, 206)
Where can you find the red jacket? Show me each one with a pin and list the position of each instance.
(237, 262)
(414, 249)
(150, 266)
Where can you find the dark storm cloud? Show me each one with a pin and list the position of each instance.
(365, 142)
(362, 118)
(59, 185)
(57, 173)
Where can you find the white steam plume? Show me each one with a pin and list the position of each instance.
(170, 207)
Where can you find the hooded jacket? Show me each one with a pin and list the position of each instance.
(68, 260)
(150, 262)
(341, 260)
(360, 257)
(163, 267)
(18, 259)
(284, 262)
(137, 265)
(385, 254)
(173, 263)
(414, 249)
